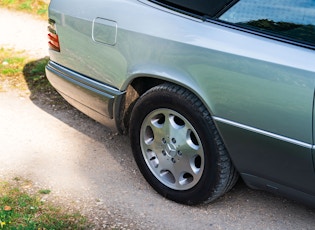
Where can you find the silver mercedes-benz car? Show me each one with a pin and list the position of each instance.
(207, 89)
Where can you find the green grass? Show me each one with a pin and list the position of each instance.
(28, 77)
(11, 67)
(21, 210)
(22, 73)
(34, 7)
(34, 74)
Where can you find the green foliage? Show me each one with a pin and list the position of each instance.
(42, 10)
(34, 73)
(6, 2)
(11, 67)
(26, 5)
(44, 191)
(19, 210)
(35, 7)
(17, 71)
(20, 73)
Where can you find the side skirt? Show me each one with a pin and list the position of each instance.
(93, 98)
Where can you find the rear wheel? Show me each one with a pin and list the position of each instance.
(177, 147)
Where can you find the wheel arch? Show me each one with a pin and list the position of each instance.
(139, 83)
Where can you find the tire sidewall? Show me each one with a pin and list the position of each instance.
(153, 100)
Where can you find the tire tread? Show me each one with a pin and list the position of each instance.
(228, 174)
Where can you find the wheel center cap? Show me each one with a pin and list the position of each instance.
(170, 150)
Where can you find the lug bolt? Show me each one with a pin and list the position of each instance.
(173, 140)
(179, 153)
(163, 152)
(163, 141)
(173, 160)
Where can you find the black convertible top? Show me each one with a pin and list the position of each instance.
(200, 7)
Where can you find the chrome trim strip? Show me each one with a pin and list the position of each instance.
(83, 80)
(265, 133)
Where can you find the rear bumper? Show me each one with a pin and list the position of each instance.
(93, 98)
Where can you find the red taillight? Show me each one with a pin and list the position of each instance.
(53, 42)
(53, 39)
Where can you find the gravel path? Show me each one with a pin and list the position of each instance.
(91, 169)
(23, 32)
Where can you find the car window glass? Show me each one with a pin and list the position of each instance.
(293, 19)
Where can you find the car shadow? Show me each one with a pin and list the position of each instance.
(44, 96)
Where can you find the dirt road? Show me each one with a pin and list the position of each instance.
(88, 167)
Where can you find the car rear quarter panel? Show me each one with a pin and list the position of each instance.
(236, 74)
(241, 77)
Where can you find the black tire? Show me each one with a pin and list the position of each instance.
(178, 148)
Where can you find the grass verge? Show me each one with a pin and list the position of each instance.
(11, 67)
(27, 76)
(21, 210)
(38, 8)
(17, 71)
